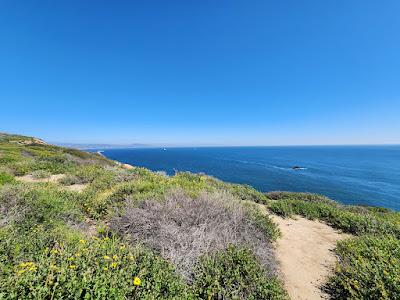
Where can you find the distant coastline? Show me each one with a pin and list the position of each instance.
(100, 146)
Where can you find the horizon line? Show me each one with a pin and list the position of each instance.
(91, 146)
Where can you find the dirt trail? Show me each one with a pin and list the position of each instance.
(54, 179)
(30, 178)
(305, 255)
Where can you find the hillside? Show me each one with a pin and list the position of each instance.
(75, 225)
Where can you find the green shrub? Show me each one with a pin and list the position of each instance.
(98, 204)
(263, 221)
(70, 180)
(78, 153)
(89, 173)
(21, 168)
(278, 195)
(234, 274)
(40, 174)
(52, 164)
(246, 192)
(10, 204)
(40, 204)
(92, 269)
(6, 178)
(20, 244)
(369, 268)
(110, 187)
(8, 159)
(99, 177)
(198, 182)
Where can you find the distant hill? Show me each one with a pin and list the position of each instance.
(101, 146)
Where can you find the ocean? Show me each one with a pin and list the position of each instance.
(368, 175)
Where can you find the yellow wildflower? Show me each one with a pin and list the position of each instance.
(26, 264)
(106, 257)
(122, 247)
(53, 251)
(105, 268)
(115, 257)
(20, 272)
(136, 281)
(72, 267)
(77, 254)
(82, 241)
(114, 265)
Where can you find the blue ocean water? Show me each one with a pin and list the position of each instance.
(368, 175)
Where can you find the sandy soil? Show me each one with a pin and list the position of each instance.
(305, 255)
(29, 178)
(53, 178)
(127, 166)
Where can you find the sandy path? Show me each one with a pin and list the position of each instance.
(54, 179)
(305, 255)
(29, 178)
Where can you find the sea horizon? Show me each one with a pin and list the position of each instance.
(350, 174)
(122, 146)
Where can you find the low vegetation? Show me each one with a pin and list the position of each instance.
(183, 229)
(368, 269)
(57, 243)
(93, 269)
(137, 234)
(234, 274)
(40, 174)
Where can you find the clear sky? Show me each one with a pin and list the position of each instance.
(209, 72)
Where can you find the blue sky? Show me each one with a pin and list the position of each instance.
(201, 72)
